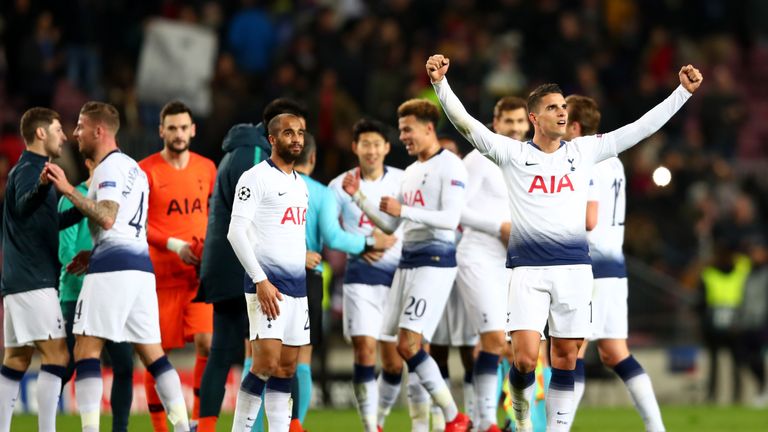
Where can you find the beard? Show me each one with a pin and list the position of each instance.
(286, 154)
(85, 150)
(172, 147)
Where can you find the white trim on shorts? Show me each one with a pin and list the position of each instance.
(558, 295)
(118, 306)
(291, 326)
(32, 316)
(418, 300)
(609, 308)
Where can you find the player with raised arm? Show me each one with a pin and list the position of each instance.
(32, 318)
(547, 180)
(267, 233)
(368, 278)
(429, 205)
(606, 209)
(180, 185)
(118, 301)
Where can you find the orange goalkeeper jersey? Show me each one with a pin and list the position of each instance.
(178, 207)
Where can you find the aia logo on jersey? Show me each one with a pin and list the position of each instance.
(551, 185)
(295, 216)
(365, 221)
(413, 198)
(175, 206)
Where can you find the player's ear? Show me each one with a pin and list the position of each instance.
(387, 148)
(532, 118)
(192, 130)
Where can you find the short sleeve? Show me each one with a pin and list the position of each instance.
(108, 181)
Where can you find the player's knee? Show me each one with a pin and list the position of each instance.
(609, 358)
(493, 342)
(19, 362)
(365, 355)
(525, 363)
(406, 348)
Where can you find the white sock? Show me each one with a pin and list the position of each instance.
(485, 385)
(88, 391)
(438, 419)
(10, 380)
(641, 390)
(432, 380)
(418, 404)
(278, 404)
(248, 403)
(389, 390)
(48, 392)
(168, 386)
(560, 401)
(367, 395)
(522, 386)
(470, 396)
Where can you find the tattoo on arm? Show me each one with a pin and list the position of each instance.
(102, 213)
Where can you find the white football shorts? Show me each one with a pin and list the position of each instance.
(363, 309)
(558, 295)
(291, 326)
(609, 308)
(32, 316)
(418, 300)
(119, 306)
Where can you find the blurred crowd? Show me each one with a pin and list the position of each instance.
(348, 58)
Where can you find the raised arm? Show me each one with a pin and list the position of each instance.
(484, 140)
(385, 222)
(631, 134)
(31, 190)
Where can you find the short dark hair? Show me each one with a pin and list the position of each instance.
(424, 111)
(101, 112)
(35, 118)
(282, 106)
(173, 108)
(539, 92)
(584, 110)
(365, 125)
(509, 103)
(273, 128)
(310, 146)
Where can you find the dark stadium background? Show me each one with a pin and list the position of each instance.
(348, 58)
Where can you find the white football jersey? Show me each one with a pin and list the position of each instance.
(486, 207)
(548, 191)
(608, 188)
(276, 204)
(432, 193)
(355, 221)
(118, 178)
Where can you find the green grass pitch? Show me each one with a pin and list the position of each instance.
(676, 418)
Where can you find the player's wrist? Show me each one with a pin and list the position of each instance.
(175, 245)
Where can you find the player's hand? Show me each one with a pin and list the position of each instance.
(382, 241)
(506, 229)
(390, 206)
(437, 67)
(44, 176)
(269, 298)
(372, 256)
(188, 256)
(351, 182)
(313, 259)
(58, 178)
(79, 263)
(690, 78)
